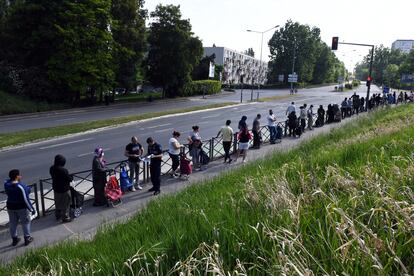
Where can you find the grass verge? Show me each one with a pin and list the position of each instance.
(12, 104)
(139, 97)
(342, 203)
(275, 98)
(15, 138)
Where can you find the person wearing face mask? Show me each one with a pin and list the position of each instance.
(99, 177)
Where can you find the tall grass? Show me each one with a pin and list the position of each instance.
(342, 203)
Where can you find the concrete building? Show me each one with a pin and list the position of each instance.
(404, 45)
(237, 64)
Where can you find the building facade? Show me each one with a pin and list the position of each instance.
(238, 67)
(404, 45)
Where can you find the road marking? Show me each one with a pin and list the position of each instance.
(67, 143)
(249, 109)
(151, 127)
(90, 153)
(211, 116)
(63, 120)
(162, 130)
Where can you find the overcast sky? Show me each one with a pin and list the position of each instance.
(224, 22)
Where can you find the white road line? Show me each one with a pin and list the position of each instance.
(151, 127)
(63, 120)
(67, 143)
(162, 130)
(211, 116)
(90, 153)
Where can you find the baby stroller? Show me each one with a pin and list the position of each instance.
(186, 167)
(76, 203)
(113, 191)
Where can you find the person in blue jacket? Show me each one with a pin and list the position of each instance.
(19, 206)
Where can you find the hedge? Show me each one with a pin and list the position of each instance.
(206, 87)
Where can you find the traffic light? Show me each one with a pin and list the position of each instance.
(335, 43)
(369, 79)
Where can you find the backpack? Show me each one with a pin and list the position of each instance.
(204, 158)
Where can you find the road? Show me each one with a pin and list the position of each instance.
(34, 159)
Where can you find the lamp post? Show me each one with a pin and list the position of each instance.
(261, 49)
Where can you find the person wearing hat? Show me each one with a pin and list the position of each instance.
(99, 177)
(19, 207)
(61, 180)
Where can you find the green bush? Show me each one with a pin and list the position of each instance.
(356, 83)
(206, 87)
(13, 104)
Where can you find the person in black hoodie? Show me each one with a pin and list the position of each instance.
(61, 187)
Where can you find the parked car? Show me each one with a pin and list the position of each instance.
(120, 91)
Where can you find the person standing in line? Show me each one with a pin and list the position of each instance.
(155, 153)
(174, 148)
(194, 142)
(18, 206)
(271, 124)
(256, 132)
(320, 121)
(134, 152)
(303, 115)
(291, 108)
(310, 117)
(99, 177)
(292, 123)
(61, 188)
(244, 137)
(227, 134)
(242, 123)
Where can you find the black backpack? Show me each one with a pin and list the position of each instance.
(204, 158)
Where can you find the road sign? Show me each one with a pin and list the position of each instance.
(292, 79)
(407, 78)
(294, 75)
(281, 78)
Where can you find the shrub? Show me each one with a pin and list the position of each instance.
(356, 83)
(206, 87)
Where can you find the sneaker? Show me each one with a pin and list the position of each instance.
(139, 187)
(27, 240)
(16, 240)
(176, 175)
(133, 189)
(230, 160)
(157, 192)
(66, 220)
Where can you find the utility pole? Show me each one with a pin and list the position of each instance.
(293, 63)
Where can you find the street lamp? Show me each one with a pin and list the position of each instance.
(261, 47)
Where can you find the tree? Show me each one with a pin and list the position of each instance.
(173, 50)
(294, 40)
(201, 71)
(82, 60)
(128, 30)
(249, 52)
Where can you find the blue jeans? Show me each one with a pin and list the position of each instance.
(272, 131)
(14, 216)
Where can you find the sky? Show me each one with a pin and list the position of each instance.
(224, 22)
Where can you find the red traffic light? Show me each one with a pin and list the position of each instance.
(335, 40)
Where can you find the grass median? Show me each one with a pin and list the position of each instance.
(341, 203)
(16, 138)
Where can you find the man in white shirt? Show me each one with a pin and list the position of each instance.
(271, 123)
(227, 134)
(290, 109)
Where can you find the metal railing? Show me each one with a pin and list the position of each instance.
(33, 197)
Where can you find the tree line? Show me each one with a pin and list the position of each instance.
(62, 50)
(314, 62)
(387, 67)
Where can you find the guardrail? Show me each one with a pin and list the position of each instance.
(83, 179)
(33, 197)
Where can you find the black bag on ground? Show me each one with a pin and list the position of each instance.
(204, 158)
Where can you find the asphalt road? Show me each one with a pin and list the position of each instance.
(34, 159)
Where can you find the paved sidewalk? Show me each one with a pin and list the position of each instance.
(47, 231)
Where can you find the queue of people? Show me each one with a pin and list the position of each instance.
(20, 209)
